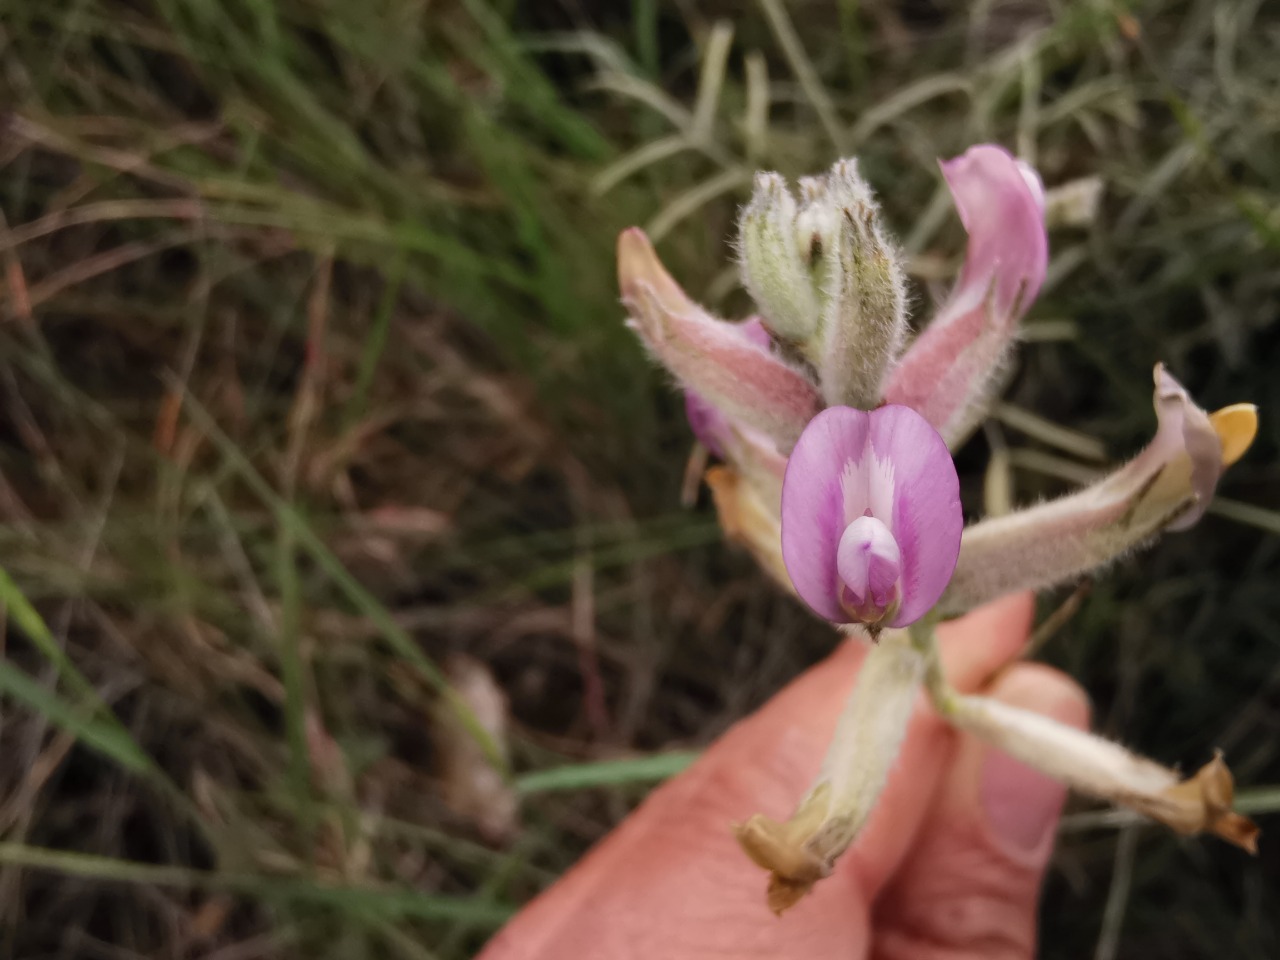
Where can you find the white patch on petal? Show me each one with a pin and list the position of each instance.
(867, 486)
(869, 562)
(880, 489)
(854, 489)
(1033, 181)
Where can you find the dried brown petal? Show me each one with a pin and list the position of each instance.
(1202, 804)
(784, 894)
(786, 850)
(473, 788)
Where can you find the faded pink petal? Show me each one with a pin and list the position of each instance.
(710, 424)
(949, 371)
(718, 360)
(871, 516)
(1166, 487)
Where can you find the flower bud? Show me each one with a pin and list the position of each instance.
(864, 315)
(826, 279)
(776, 269)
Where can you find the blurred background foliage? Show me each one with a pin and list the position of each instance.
(317, 401)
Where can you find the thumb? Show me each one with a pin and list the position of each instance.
(671, 881)
(970, 887)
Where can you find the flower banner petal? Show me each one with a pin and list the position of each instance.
(889, 466)
(813, 505)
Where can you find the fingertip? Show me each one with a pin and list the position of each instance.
(1008, 615)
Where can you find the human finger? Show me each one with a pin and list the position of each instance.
(671, 880)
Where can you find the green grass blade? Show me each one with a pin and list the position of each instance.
(107, 738)
(93, 723)
(606, 773)
(385, 902)
(27, 619)
(376, 342)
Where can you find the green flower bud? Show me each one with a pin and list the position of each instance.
(826, 280)
(864, 313)
(775, 270)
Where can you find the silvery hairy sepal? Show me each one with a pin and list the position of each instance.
(827, 280)
(725, 364)
(1167, 486)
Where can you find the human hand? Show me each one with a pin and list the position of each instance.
(948, 868)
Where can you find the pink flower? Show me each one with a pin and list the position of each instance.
(871, 516)
(856, 507)
(753, 388)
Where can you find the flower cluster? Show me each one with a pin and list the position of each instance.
(837, 475)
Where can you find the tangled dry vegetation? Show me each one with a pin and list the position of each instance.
(316, 402)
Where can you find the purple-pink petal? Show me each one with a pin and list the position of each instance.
(927, 516)
(947, 373)
(709, 425)
(1001, 204)
(813, 505)
(756, 332)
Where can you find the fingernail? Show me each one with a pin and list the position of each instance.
(1021, 804)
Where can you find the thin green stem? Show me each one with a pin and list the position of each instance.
(924, 639)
